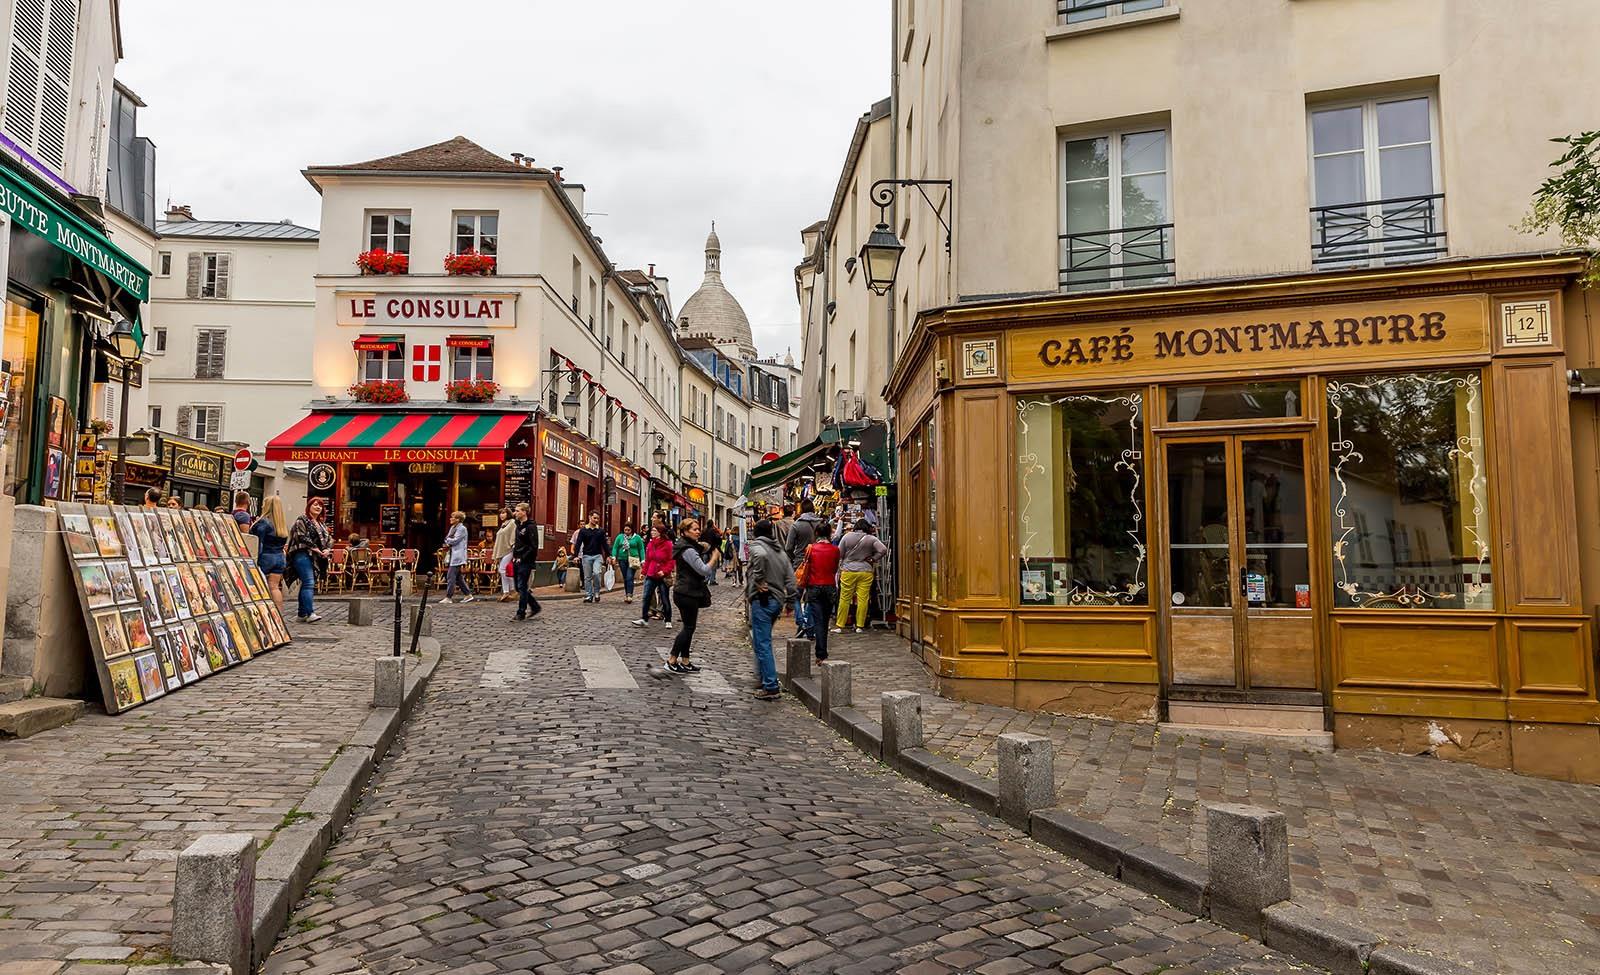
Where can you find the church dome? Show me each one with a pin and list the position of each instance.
(713, 312)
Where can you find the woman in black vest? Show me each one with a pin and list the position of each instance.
(691, 592)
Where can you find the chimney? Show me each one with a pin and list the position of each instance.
(179, 212)
(516, 157)
(557, 171)
(652, 273)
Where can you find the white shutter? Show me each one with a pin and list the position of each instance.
(224, 274)
(38, 91)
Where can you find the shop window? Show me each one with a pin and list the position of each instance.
(1410, 492)
(478, 232)
(164, 264)
(18, 374)
(210, 353)
(1080, 500)
(389, 230)
(1375, 178)
(1082, 11)
(1234, 401)
(1115, 206)
(471, 364)
(932, 468)
(386, 366)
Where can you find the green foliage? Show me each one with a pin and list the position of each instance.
(1569, 201)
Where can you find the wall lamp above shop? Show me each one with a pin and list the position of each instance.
(880, 255)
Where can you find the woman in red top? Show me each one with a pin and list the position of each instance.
(821, 583)
(657, 574)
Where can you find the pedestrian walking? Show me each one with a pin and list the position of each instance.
(241, 509)
(782, 519)
(525, 555)
(591, 545)
(152, 497)
(859, 552)
(310, 544)
(657, 575)
(819, 574)
(802, 533)
(504, 540)
(627, 554)
(769, 586)
(272, 532)
(456, 541)
(691, 592)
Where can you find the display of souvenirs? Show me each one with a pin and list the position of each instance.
(219, 627)
(137, 630)
(147, 593)
(164, 600)
(213, 649)
(168, 656)
(124, 678)
(236, 632)
(108, 627)
(180, 598)
(79, 535)
(158, 538)
(130, 540)
(187, 668)
(122, 588)
(96, 584)
(204, 662)
(106, 537)
(141, 531)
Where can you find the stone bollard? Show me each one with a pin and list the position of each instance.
(361, 611)
(388, 682)
(1247, 852)
(402, 578)
(835, 691)
(574, 579)
(800, 652)
(427, 622)
(1027, 776)
(213, 901)
(902, 722)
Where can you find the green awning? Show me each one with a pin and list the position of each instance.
(785, 468)
(35, 211)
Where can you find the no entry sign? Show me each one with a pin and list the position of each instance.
(243, 460)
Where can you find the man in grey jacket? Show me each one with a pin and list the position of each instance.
(801, 535)
(769, 584)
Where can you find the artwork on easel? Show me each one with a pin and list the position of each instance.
(168, 597)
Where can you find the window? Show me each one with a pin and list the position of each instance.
(155, 417)
(38, 92)
(209, 274)
(387, 366)
(1115, 220)
(160, 340)
(1080, 500)
(210, 353)
(1410, 492)
(774, 438)
(1375, 176)
(389, 230)
(1080, 11)
(577, 282)
(476, 364)
(756, 436)
(164, 264)
(206, 423)
(478, 233)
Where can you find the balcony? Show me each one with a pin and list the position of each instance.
(1121, 258)
(1399, 230)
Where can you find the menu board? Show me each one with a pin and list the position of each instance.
(170, 597)
(519, 481)
(389, 519)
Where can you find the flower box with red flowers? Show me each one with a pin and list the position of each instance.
(469, 262)
(381, 391)
(380, 261)
(472, 390)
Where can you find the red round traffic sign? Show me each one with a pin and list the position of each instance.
(768, 457)
(243, 459)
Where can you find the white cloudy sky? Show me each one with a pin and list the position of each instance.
(671, 114)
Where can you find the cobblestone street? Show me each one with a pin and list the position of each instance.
(538, 815)
(92, 816)
(1494, 869)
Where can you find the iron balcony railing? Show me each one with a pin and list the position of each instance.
(1398, 230)
(1117, 258)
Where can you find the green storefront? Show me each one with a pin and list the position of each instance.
(65, 285)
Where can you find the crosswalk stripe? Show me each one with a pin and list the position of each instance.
(602, 667)
(705, 682)
(504, 670)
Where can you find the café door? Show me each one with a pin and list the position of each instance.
(1239, 618)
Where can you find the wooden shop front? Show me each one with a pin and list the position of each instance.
(1338, 503)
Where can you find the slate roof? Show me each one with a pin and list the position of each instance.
(458, 155)
(234, 229)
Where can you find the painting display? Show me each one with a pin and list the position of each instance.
(168, 597)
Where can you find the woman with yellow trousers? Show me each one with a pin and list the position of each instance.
(859, 551)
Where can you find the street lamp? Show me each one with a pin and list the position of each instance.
(569, 407)
(659, 455)
(126, 346)
(880, 255)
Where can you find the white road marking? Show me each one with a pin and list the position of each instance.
(603, 667)
(504, 670)
(705, 682)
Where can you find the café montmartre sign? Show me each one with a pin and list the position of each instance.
(375, 309)
(1289, 339)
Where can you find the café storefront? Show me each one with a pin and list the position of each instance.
(578, 477)
(1343, 504)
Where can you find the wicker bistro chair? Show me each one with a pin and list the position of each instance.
(380, 576)
(338, 574)
(360, 568)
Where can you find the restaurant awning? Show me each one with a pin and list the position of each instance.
(397, 437)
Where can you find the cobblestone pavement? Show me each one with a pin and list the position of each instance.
(1496, 870)
(92, 815)
(539, 816)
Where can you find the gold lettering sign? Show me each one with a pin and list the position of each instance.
(197, 466)
(1300, 339)
(426, 468)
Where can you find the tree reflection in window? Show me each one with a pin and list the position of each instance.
(1080, 483)
(1410, 497)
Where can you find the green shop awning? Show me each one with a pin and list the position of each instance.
(39, 213)
(785, 468)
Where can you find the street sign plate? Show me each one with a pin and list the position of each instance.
(239, 481)
(243, 460)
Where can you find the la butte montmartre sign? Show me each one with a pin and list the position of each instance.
(1291, 339)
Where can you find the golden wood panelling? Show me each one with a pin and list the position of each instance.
(1420, 704)
(1281, 651)
(1202, 650)
(1086, 635)
(1550, 657)
(980, 548)
(1298, 339)
(980, 634)
(1428, 654)
(1538, 552)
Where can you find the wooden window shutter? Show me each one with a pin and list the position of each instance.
(202, 353)
(185, 420)
(196, 268)
(219, 347)
(224, 274)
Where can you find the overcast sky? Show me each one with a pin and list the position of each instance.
(671, 114)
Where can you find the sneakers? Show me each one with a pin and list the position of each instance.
(689, 668)
(676, 667)
(519, 619)
(837, 629)
(472, 599)
(638, 623)
(859, 629)
(667, 624)
(446, 601)
(313, 618)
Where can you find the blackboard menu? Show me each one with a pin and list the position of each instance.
(519, 480)
(389, 519)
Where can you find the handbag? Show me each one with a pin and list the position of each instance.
(633, 562)
(800, 570)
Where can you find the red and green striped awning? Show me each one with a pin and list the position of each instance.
(397, 437)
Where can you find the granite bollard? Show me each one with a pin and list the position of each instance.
(361, 611)
(1247, 853)
(427, 622)
(213, 902)
(388, 682)
(902, 722)
(800, 652)
(835, 684)
(1027, 776)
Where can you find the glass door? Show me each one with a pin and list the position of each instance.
(1238, 604)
